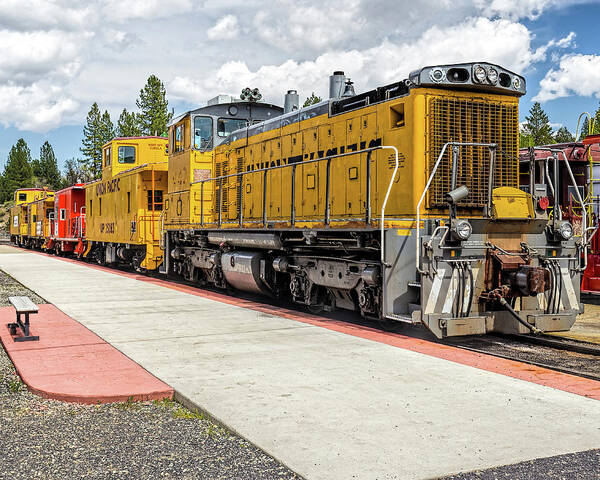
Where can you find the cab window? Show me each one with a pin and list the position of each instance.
(227, 125)
(22, 197)
(107, 157)
(178, 138)
(126, 154)
(203, 133)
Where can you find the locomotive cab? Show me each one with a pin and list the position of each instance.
(193, 137)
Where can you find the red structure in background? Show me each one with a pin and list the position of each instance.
(68, 224)
(584, 160)
(591, 277)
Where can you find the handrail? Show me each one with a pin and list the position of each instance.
(433, 172)
(265, 170)
(556, 151)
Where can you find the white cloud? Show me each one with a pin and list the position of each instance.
(476, 39)
(39, 107)
(226, 28)
(577, 74)
(43, 14)
(29, 56)
(122, 11)
(59, 56)
(515, 9)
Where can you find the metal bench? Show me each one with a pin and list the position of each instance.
(23, 306)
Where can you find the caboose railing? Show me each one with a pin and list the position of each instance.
(326, 214)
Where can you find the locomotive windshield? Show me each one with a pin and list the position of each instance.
(203, 132)
(227, 125)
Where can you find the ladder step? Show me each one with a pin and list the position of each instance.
(414, 284)
(400, 318)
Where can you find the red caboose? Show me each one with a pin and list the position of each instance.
(68, 226)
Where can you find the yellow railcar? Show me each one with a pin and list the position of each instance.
(124, 208)
(39, 214)
(20, 213)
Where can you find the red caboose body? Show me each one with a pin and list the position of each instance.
(68, 226)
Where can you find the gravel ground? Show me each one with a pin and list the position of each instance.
(572, 466)
(48, 439)
(9, 287)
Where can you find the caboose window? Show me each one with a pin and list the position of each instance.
(158, 200)
(227, 125)
(203, 132)
(126, 154)
(63, 214)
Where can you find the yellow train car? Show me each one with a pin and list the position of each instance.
(124, 208)
(39, 214)
(19, 213)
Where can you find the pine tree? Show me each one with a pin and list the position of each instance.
(596, 120)
(18, 172)
(154, 113)
(585, 129)
(311, 100)
(98, 130)
(128, 125)
(107, 128)
(48, 167)
(563, 135)
(92, 141)
(538, 126)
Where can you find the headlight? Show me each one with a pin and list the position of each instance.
(565, 230)
(492, 75)
(516, 83)
(462, 230)
(437, 75)
(480, 74)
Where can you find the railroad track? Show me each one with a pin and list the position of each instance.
(574, 357)
(564, 355)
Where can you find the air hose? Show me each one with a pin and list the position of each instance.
(511, 310)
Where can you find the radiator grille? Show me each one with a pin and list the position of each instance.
(471, 120)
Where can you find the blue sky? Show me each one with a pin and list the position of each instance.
(58, 57)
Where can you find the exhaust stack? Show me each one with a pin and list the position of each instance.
(291, 102)
(337, 82)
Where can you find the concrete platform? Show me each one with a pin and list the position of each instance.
(328, 400)
(72, 364)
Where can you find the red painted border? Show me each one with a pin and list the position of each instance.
(510, 368)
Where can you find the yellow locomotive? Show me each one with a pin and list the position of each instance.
(402, 203)
(123, 210)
